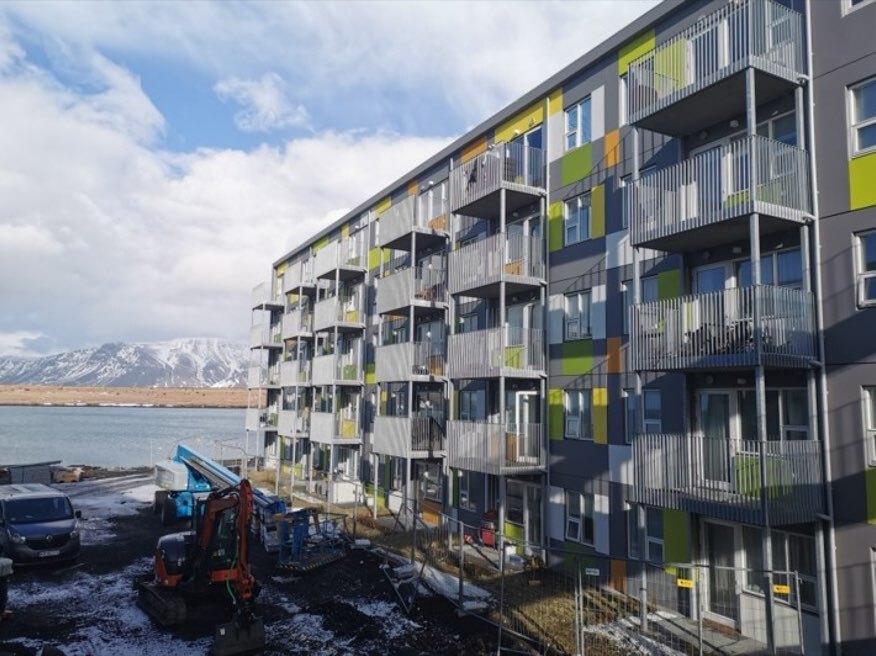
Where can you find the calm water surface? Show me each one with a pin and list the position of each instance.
(112, 437)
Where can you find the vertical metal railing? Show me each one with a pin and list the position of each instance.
(715, 186)
(495, 448)
(716, 329)
(429, 284)
(715, 47)
(484, 262)
(504, 163)
(496, 351)
(721, 476)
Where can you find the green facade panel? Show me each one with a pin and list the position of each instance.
(577, 164)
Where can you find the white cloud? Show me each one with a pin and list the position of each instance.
(264, 102)
(18, 343)
(105, 238)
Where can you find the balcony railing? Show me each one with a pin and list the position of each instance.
(297, 323)
(509, 165)
(345, 311)
(261, 377)
(717, 330)
(333, 369)
(511, 257)
(297, 275)
(716, 186)
(497, 449)
(295, 372)
(263, 295)
(405, 217)
(347, 254)
(293, 423)
(266, 335)
(331, 428)
(405, 437)
(261, 418)
(409, 360)
(414, 286)
(721, 477)
(714, 48)
(494, 352)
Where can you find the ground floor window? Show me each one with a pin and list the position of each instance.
(653, 534)
(463, 480)
(429, 480)
(523, 508)
(791, 553)
(579, 517)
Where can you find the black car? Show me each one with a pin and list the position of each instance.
(37, 524)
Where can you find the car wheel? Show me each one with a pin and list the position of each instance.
(168, 512)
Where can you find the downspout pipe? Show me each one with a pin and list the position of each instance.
(831, 569)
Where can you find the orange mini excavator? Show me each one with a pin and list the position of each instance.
(209, 564)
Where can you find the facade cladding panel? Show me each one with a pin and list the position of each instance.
(679, 448)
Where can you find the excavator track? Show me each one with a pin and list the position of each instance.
(165, 606)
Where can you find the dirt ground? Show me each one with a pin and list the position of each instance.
(347, 607)
(179, 397)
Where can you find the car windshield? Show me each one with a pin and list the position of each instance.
(31, 511)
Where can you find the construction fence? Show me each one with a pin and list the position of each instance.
(553, 601)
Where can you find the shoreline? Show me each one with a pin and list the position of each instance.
(122, 397)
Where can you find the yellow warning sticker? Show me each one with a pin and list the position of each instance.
(684, 583)
(782, 589)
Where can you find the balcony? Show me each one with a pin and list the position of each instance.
(346, 257)
(706, 200)
(399, 221)
(496, 448)
(720, 477)
(477, 269)
(716, 330)
(696, 79)
(416, 286)
(475, 185)
(265, 335)
(408, 437)
(295, 373)
(299, 274)
(297, 324)
(494, 352)
(293, 423)
(337, 370)
(260, 377)
(261, 419)
(417, 361)
(345, 313)
(264, 297)
(329, 428)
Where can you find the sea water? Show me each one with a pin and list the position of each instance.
(114, 436)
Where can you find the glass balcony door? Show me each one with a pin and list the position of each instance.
(714, 417)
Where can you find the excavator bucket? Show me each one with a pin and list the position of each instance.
(239, 636)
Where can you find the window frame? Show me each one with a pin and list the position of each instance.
(579, 202)
(868, 401)
(853, 124)
(585, 501)
(623, 99)
(861, 273)
(579, 125)
(848, 6)
(584, 299)
(584, 431)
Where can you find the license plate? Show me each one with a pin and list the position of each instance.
(48, 553)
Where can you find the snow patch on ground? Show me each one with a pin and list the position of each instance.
(625, 634)
(448, 585)
(393, 623)
(99, 501)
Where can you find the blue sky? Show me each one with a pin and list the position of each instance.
(158, 156)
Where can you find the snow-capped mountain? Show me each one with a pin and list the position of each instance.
(197, 362)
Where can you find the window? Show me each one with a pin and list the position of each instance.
(630, 423)
(578, 124)
(854, 4)
(653, 533)
(577, 219)
(652, 408)
(471, 407)
(467, 323)
(578, 415)
(625, 191)
(791, 553)
(870, 420)
(577, 322)
(649, 289)
(627, 303)
(579, 517)
(623, 99)
(862, 110)
(463, 480)
(781, 128)
(866, 268)
(784, 269)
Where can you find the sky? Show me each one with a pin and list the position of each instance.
(156, 157)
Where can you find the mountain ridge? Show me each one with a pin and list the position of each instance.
(188, 362)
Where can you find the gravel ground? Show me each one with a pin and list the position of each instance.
(88, 609)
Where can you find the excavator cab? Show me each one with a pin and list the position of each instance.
(209, 563)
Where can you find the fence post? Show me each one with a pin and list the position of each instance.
(799, 612)
(501, 593)
(698, 575)
(355, 508)
(413, 534)
(461, 567)
(579, 608)
(643, 585)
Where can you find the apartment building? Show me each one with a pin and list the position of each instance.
(629, 315)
